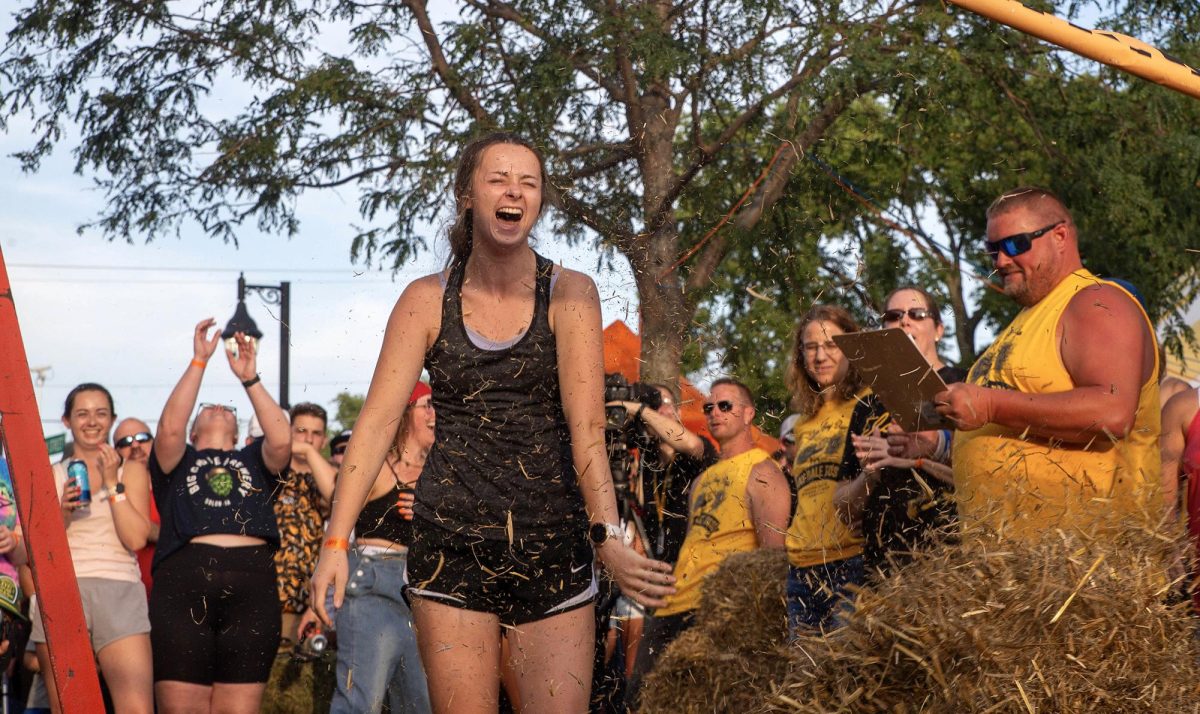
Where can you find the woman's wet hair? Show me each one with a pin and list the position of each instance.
(460, 232)
(87, 387)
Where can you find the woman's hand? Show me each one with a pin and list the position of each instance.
(202, 345)
(8, 540)
(871, 449)
(911, 444)
(109, 461)
(245, 363)
(404, 503)
(69, 501)
(307, 620)
(646, 581)
(333, 569)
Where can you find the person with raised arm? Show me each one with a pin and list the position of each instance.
(215, 605)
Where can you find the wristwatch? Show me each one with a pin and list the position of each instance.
(599, 533)
(118, 489)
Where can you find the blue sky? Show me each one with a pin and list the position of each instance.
(126, 320)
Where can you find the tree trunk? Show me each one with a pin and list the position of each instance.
(665, 315)
(964, 325)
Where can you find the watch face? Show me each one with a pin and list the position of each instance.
(598, 533)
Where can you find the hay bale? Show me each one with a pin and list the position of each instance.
(989, 625)
(742, 604)
(735, 650)
(997, 626)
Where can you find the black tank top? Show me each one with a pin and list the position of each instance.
(502, 456)
(380, 519)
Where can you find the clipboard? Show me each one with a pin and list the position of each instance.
(891, 365)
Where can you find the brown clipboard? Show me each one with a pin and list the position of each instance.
(891, 365)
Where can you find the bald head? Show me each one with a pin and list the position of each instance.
(133, 440)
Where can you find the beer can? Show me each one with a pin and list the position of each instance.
(77, 471)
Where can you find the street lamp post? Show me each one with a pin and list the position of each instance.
(242, 322)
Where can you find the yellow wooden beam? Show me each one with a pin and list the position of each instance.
(1113, 49)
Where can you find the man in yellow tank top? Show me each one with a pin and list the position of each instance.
(740, 503)
(1058, 421)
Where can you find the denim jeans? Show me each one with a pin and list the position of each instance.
(814, 593)
(377, 652)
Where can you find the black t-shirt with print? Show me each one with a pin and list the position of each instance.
(903, 512)
(214, 491)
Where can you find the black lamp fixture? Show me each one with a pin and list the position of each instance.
(242, 322)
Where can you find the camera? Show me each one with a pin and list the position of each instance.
(314, 644)
(620, 434)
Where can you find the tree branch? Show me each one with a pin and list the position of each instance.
(443, 68)
(768, 192)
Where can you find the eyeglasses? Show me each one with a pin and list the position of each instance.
(1018, 243)
(914, 313)
(724, 405)
(141, 437)
(829, 347)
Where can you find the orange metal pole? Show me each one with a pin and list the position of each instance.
(1113, 49)
(67, 637)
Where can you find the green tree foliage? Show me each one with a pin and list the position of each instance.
(995, 109)
(640, 105)
(348, 407)
(656, 118)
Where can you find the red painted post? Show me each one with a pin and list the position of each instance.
(71, 655)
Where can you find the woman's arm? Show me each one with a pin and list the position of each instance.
(170, 441)
(277, 435)
(575, 321)
(129, 509)
(411, 329)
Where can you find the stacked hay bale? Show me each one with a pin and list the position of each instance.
(1060, 625)
(736, 651)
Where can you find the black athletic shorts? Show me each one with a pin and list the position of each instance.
(215, 615)
(527, 581)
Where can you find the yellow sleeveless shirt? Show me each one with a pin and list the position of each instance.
(816, 534)
(1025, 485)
(719, 524)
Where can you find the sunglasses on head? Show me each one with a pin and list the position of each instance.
(724, 405)
(1018, 243)
(914, 313)
(141, 437)
(222, 407)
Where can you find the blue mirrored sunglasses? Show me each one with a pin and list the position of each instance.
(1016, 244)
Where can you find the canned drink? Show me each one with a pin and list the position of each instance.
(77, 471)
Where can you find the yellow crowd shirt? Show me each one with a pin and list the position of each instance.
(719, 524)
(816, 534)
(1025, 485)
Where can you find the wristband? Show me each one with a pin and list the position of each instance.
(196, 362)
(337, 544)
(919, 463)
(252, 381)
(120, 498)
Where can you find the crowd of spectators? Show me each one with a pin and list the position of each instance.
(196, 550)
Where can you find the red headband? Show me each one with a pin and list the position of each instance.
(421, 390)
